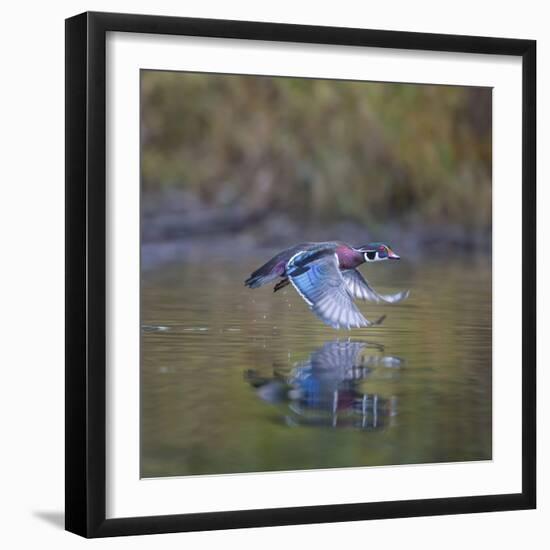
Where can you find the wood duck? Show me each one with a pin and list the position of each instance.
(325, 275)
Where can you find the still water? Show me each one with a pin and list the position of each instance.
(240, 380)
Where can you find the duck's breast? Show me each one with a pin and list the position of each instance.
(348, 258)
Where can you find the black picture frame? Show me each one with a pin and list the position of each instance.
(86, 274)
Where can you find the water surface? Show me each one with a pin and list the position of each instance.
(239, 380)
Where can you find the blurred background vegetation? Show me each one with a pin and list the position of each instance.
(225, 152)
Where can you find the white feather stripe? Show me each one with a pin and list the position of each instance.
(300, 292)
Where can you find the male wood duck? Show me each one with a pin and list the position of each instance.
(325, 275)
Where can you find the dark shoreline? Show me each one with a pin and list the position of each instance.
(166, 240)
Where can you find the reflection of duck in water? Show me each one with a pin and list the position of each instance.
(325, 275)
(324, 390)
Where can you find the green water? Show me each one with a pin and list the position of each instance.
(240, 380)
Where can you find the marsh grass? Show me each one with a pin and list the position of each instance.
(321, 150)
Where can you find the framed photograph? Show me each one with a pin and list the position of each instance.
(300, 274)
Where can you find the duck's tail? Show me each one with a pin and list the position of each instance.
(268, 272)
(256, 280)
(261, 277)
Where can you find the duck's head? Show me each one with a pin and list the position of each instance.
(376, 252)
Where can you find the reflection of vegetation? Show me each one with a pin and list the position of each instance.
(321, 149)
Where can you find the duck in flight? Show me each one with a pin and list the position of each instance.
(325, 275)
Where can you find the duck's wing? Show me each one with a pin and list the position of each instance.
(359, 288)
(318, 280)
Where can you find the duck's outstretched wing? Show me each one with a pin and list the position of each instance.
(359, 287)
(318, 280)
